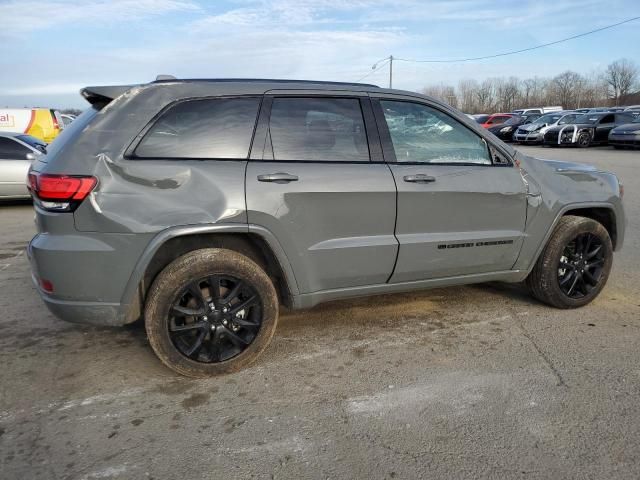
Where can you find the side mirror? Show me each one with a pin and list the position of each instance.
(30, 156)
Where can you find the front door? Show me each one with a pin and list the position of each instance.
(459, 211)
(328, 199)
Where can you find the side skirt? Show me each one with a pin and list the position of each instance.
(308, 300)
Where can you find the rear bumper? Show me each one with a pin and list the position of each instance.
(88, 274)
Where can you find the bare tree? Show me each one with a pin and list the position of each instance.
(622, 77)
(564, 88)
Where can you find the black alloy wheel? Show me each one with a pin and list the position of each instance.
(584, 140)
(581, 265)
(215, 318)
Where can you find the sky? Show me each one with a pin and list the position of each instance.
(51, 49)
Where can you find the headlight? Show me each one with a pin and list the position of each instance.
(543, 130)
(506, 129)
(636, 132)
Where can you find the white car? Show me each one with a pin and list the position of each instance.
(17, 151)
(534, 132)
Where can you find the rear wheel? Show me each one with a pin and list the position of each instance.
(209, 312)
(584, 140)
(574, 266)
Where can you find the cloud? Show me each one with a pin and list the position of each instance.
(21, 17)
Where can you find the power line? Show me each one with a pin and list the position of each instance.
(374, 69)
(513, 52)
(377, 66)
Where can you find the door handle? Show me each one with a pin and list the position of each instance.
(419, 178)
(279, 177)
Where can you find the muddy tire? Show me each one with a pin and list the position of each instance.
(574, 265)
(210, 312)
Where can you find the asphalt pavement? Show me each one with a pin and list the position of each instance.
(462, 382)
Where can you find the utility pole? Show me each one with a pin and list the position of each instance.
(390, 60)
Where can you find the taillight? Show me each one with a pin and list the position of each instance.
(60, 192)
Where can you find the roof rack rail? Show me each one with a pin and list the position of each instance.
(170, 78)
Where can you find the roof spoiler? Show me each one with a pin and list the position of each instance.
(101, 96)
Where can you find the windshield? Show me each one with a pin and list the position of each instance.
(568, 119)
(481, 118)
(513, 120)
(587, 118)
(548, 118)
(34, 142)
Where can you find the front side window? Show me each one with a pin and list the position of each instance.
(12, 150)
(318, 130)
(209, 128)
(423, 134)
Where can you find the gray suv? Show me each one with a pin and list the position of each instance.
(203, 205)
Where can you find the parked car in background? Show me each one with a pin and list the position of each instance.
(67, 118)
(304, 192)
(527, 111)
(43, 123)
(632, 108)
(496, 119)
(534, 132)
(506, 130)
(481, 117)
(17, 151)
(627, 135)
(588, 129)
(593, 110)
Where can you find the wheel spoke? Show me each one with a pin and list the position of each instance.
(595, 263)
(197, 345)
(573, 285)
(567, 277)
(235, 339)
(241, 306)
(588, 243)
(195, 290)
(185, 328)
(233, 293)
(179, 311)
(244, 323)
(214, 345)
(592, 280)
(214, 289)
(567, 265)
(594, 252)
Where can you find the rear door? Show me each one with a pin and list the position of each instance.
(317, 181)
(459, 211)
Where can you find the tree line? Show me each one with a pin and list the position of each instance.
(609, 87)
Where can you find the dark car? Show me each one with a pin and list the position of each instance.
(506, 130)
(588, 129)
(203, 205)
(627, 135)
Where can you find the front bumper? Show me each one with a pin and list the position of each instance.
(533, 137)
(627, 140)
(88, 273)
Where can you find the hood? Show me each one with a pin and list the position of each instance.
(531, 127)
(562, 166)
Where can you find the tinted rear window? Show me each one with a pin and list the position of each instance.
(318, 129)
(211, 128)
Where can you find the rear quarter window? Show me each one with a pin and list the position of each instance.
(200, 129)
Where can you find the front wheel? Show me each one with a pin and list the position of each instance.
(574, 266)
(210, 311)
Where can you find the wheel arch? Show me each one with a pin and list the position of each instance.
(604, 213)
(258, 244)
